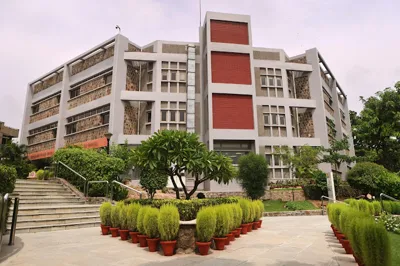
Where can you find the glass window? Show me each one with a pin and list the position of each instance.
(279, 82)
(172, 116)
(268, 157)
(274, 119)
(271, 81)
(182, 116)
(276, 160)
(163, 115)
(174, 65)
(105, 118)
(270, 71)
(173, 75)
(182, 76)
(266, 119)
(263, 80)
(182, 65)
(164, 64)
(282, 120)
(278, 72)
(148, 117)
(108, 78)
(164, 75)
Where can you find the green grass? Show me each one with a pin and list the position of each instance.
(279, 206)
(395, 239)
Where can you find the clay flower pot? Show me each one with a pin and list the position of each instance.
(259, 223)
(238, 231)
(142, 241)
(219, 243)
(105, 229)
(359, 262)
(340, 237)
(124, 234)
(228, 239)
(233, 233)
(249, 227)
(114, 232)
(204, 247)
(244, 228)
(134, 237)
(168, 247)
(153, 244)
(346, 246)
(255, 225)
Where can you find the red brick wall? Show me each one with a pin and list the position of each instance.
(232, 68)
(229, 32)
(232, 111)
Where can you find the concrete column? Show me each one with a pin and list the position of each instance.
(331, 187)
(23, 133)
(61, 132)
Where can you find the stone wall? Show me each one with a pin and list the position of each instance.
(41, 137)
(49, 103)
(133, 48)
(174, 48)
(42, 146)
(91, 96)
(90, 122)
(130, 120)
(42, 115)
(329, 109)
(149, 49)
(92, 85)
(86, 136)
(91, 61)
(300, 60)
(302, 87)
(306, 125)
(186, 238)
(132, 78)
(47, 83)
(262, 55)
(273, 194)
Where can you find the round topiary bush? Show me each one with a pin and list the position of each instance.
(105, 213)
(237, 215)
(205, 224)
(387, 206)
(222, 221)
(168, 222)
(377, 207)
(132, 216)
(123, 217)
(353, 203)
(115, 222)
(150, 223)
(140, 219)
(363, 205)
(231, 219)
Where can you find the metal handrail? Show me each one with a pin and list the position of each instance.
(386, 196)
(4, 208)
(97, 181)
(75, 172)
(125, 186)
(326, 197)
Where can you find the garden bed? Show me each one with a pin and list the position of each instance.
(285, 206)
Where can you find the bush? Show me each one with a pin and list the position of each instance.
(115, 212)
(123, 217)
(299, 205)
(205, 224)
(222, 221)
(363, 205)
(93, 166)
(132, 216)
(168, 222)
(231, 222)
(237, 215)
(152, 181)
(150, 223)
(395, 207)
(387, 206)
(371, 209)
(377, 207)
(354, 204)
(391, 223)
(253, 175)
(261, 206)
(245, 206)
(105, 213)
(40, 174)
(8, 177)
(140, 219)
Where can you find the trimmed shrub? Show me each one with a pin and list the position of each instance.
(253, 174)
(395, 207)
(387, 206)
(237, 215)
(354, 204)
(105, 213)
(150, 223)
(205, 224)
(168, 222)
(40, 174)
(115, 211)
(8, 177)
(261, 205)
(152, 181)
(231, 221)
(371, 209)
(245, 206)
(132, 216)
(363, 205)
(140, 219)
(222, 221)
(377, 207)
(123, 217)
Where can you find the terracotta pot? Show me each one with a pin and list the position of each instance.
(219, 243)
(255, 225)
(346, 246)
(142, 241)
(359, 262)
(105, 230)
(168, 247)
(153, 244)
(244, 229)
(249, 227)
(228, 239)
(114, 232)
(340, 237)
(134, 237)
(203, 247)
(124, 234)
(237, 232)
(260, 221)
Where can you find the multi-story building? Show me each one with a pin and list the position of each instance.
(236, 97)
(7, 133)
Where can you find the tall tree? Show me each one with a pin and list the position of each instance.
(337, 154)
(15, 155)
(377, 128)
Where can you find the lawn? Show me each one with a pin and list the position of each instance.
(395, 238)
(278, 205)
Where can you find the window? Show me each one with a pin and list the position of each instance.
(58, 98)
(233, 149)
(278, 169)
(74, 93)
(148, 117)
(173, 77)
(263, 80)
(99, 110)
(163, 116)
(164, 75)
(271, 82)
(182, 76)
(108, 78)
(105, 118)
(274, 121)
(173, 115)
(71, 128)
(282, 120)
(279, 81)
(54, 131)
(266, 119)
(42, 129)
(35, 109)
(182, 116)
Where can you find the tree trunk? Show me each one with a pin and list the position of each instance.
(196, 184)
(183, 186)
(175, 186)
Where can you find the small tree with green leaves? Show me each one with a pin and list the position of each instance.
(140, 219)
(123, 217)
(150, 223)
(205, 224)
(105, 213)
(222, 221)
(168, 222)
(336, 153)
(152, 181)
(253, 175)
(132, 216)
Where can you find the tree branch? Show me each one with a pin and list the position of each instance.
(183, 185)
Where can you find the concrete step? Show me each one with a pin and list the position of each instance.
(46, 228)
(44, 193)
(47, 197)
(19, 190)
(44, 215)
(53, 221)
(24, 201)
(39, 186)
(35, 181)
(54, 209)
(50, 204)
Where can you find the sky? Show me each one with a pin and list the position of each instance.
(358, 39)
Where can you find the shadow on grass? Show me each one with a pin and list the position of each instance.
(9, 251)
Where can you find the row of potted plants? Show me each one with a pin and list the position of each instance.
(150, 226)
(360, 235)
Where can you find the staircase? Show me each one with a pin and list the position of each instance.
(48, 206)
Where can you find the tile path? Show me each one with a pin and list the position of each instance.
(291, 241)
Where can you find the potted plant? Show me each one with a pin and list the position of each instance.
(222, 227)
(140, 226)
(132, 215)
(105, 217)
(257, 214)
(238, 219)
(123, 221)
(261, 206)
(115, 223)
(205, 228)
(229, 236)
(245, 206)
(251, 216)
(150, 224)
(168, 226)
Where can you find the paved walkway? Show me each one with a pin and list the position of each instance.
(291, 241)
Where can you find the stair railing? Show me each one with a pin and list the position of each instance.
(125, 186)
(328, 198)
(97, 181)
(73, 171)
(4, 200)
(382, 195)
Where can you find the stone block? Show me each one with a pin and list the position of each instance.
(263, 55)
(91, 96)
(42, 115)
(93, 134)
(91, 61)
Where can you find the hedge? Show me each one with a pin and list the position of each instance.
(188, 209)
(8, 177)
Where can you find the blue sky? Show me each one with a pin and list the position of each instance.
(358, 39)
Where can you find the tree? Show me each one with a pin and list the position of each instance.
(152, 180)
(176, 153)
(253, 174)
(336, 154)
(377, 128)
(123, 152)
(15, 155)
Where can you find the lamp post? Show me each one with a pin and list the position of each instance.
(108, 136)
